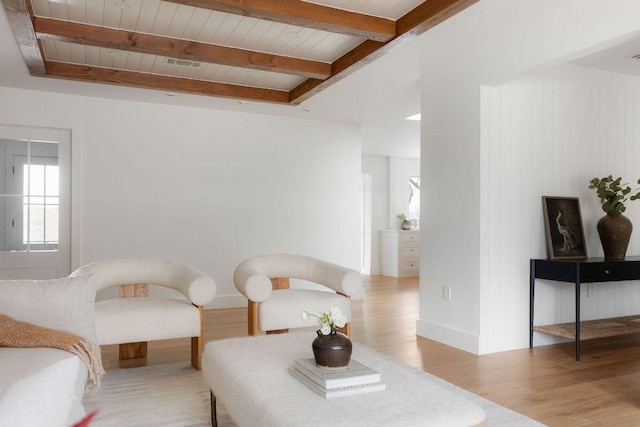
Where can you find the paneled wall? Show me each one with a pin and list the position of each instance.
(549, 134)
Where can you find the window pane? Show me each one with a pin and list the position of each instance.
(36, 224)
(51, 225)
(51, 180)
(36, 180)
(414, 200)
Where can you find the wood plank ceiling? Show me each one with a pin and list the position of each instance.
(280, 51)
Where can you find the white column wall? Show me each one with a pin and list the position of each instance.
(493, 41)
(210, 188)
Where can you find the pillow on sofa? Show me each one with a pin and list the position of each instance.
(66, 304)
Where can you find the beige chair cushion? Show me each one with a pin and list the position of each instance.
(127, 320)
(283, 310)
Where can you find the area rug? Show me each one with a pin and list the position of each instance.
(175, 395)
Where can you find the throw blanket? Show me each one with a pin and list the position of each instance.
(14, 333)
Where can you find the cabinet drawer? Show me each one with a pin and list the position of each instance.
(409, 265)
(609, 271)
(408, 250)
(409, 237)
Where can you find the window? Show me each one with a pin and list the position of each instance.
(414, 200)
(40, 204)
(35, 202)
(32, 193)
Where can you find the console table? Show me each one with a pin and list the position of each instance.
(578, 271)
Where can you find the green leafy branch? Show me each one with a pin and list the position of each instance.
(613, 194)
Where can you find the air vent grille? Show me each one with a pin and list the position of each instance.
(183, 63)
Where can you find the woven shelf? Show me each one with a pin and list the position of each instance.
(591, 329)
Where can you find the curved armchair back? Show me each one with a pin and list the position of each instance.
(191, 282)
(253, 276)
(277, 311)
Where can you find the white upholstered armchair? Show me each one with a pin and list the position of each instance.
(275, 308)
(135, 318)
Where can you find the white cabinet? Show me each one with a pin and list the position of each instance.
(400, 253)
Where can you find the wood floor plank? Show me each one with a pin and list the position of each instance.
(545, 383)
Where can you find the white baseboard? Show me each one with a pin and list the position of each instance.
(449, 336)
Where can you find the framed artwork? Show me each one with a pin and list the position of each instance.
(563, 223)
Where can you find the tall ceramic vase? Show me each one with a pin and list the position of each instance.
(614, 230)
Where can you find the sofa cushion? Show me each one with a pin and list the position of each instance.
(40, 387)
(66, 304)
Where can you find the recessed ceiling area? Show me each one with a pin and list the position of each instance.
(623, 58)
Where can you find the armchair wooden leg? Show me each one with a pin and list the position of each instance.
(346, 330)
(133, 350)
(196, 353)
(252, 318)
(197, 344)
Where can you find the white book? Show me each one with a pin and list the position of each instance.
(336, 392)
(354, 374)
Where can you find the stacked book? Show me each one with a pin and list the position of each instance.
(356, 378)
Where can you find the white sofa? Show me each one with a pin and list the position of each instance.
(44, 387)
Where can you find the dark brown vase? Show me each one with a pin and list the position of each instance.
(332, 351)
(614, 230)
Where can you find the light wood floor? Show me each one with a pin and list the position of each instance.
(545, 383)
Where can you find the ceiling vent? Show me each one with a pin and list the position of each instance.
(183, 63)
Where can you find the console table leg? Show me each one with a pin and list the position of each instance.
(578, 320)
(532, 285)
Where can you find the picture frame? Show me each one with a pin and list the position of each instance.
(563, 225)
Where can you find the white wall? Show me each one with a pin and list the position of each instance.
(209, 188)
(378, 168)
(491, 41)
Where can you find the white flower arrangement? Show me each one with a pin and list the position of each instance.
(329, 322)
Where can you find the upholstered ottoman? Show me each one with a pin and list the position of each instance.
(250, 377)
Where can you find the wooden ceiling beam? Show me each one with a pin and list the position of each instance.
(305, 14)
(110, 38)
(19, 15)
(340, 68)
(426, 15)
(163, 83)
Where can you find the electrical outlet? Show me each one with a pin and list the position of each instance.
(590, 290)
(446, 293)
